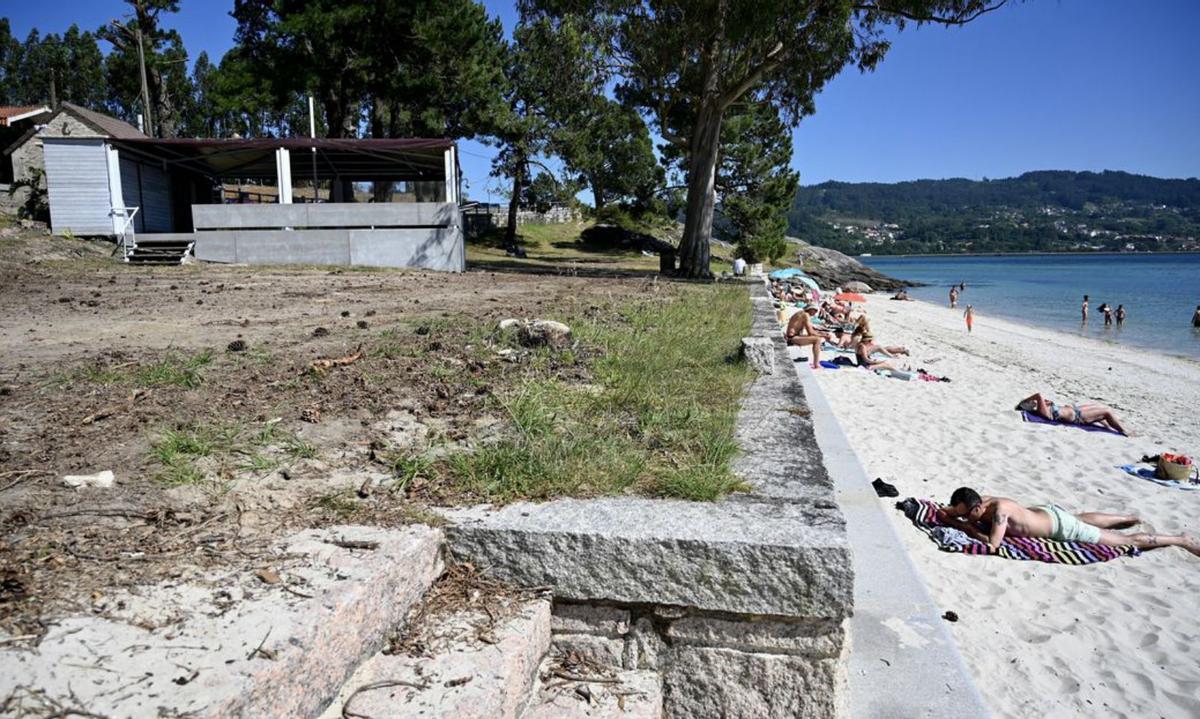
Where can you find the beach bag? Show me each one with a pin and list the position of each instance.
(1175, 467)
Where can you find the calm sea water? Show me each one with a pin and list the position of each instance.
(1160, 292)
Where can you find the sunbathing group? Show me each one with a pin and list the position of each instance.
(843, 328)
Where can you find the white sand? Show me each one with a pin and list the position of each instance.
(1119, 639)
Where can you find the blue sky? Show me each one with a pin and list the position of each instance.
(1045, 84)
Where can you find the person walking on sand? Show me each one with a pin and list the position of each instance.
(1085, 305)
(800, 332)
(953, 297)
(990, 519)
(970, 317)
(1120, 315)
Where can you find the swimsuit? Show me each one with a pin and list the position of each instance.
(1075, 408)
(1066, 527)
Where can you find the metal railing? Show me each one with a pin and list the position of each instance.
(128, 236)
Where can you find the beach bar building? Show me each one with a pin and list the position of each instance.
(371, 202)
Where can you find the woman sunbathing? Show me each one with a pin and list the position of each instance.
(1082, 413)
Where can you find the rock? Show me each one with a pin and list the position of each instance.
(831, 268)
(856, 286)
(101, 480)
(634, 695)
(759, 353)
(509, 325)
(544, 333)
(740, 556)
(236, 346)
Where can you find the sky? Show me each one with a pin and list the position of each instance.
(1036, 85)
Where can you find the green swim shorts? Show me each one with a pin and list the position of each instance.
(1068, 527)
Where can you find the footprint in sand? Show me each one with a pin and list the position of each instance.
(1148, 640)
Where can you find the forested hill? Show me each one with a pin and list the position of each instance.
(1038, 211)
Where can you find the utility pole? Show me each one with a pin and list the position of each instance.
(145, 85)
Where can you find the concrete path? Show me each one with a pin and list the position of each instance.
(903, 661)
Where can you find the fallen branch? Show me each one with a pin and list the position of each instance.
(347, 714)
(580, 678)
(106, 412)
(353, 543)
(324, 365)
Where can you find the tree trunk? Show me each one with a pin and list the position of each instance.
(702, 162)
(598, 193)
(510, 233)
(694, 256)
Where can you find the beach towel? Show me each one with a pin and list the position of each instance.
(1038, 419)
(924, 515)
(1148, 474)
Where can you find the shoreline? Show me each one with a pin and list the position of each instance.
(1092, 253)
(1039, 639)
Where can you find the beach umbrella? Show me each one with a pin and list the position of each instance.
(785, 273)
(808, 281)
(850, 297)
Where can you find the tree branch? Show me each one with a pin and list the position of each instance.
(879, 7)
(770, 61)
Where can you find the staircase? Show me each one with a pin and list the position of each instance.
(160, 249)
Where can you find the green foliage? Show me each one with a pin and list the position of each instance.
(1038, 211)
(170, 88)
(51, 68)
(425, 68)
(688, 63)
(755, 181)
(246, 448)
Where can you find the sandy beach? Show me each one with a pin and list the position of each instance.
(1119, 639)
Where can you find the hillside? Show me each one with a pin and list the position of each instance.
(1038, 211)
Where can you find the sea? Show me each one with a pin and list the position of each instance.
(1160, 292)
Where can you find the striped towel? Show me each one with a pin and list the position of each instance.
(924, 514)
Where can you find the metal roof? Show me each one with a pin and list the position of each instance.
(366, 159)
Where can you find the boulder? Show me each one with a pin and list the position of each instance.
(831, 268)
(544, 333)
(759, 353)
(856, 286)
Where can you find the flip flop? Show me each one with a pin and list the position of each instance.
(828, 365)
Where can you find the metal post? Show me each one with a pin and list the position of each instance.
(283, 174)
(312, 132)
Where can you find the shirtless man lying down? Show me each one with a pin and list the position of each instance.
(1001, 516)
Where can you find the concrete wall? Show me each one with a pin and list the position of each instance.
(78, 183)
(425, 235)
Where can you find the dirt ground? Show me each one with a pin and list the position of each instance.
(196, 386)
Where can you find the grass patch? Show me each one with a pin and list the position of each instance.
(173, 370)
(253, 449)
(662, 422)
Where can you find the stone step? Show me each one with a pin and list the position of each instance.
(245, 646)
(621, 694)
(465, 678)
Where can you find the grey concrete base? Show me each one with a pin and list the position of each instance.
(743, 557)
(210, 663)
(903, 661)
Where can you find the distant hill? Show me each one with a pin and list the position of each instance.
(1038, 211)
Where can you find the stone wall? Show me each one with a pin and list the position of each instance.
(741, 605)
(31, 155)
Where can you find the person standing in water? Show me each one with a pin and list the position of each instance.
(1107, 310)
(970, 317)
(953, 297)
(1196, 317)
(1120, 315)
(1085, 305)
